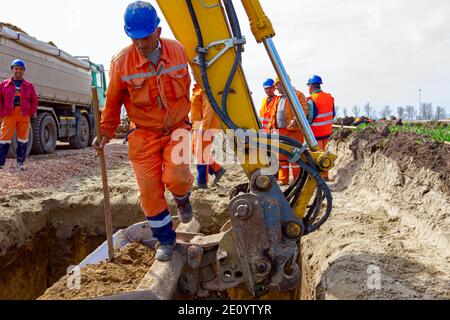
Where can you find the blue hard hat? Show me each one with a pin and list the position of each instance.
(141, 20)
(315, 80)
(18, 63)
(268, 83)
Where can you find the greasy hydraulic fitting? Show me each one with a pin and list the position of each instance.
(326, 161)
(292, 230)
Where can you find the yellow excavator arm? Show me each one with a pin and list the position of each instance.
(259, 247)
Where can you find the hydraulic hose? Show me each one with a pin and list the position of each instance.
(236, 29)
(310, 228)
(315, 210)
(222, 113)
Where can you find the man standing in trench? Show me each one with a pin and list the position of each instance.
(322, 112)
(151, 78)
(18, 102)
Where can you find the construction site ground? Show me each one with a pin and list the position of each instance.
(388, 236)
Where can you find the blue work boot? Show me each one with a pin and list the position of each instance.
(4, 148)
(219, 175)
(21, 155)
(184, 208)
(164, 252)
(162, 229)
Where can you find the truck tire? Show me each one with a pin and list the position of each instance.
(82, 137)
(45, 134)
(12, 149)
(92, 136)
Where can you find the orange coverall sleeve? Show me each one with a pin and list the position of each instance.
(196, 108)
(113, 105)
(209, 116)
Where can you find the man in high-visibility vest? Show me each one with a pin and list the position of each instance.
(283, 120)
(269, 104)
(322, 112)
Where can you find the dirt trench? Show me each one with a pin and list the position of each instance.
(388, 236)
(43, 233)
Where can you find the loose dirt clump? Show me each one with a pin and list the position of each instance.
(124, 274)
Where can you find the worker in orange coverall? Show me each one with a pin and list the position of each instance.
(18, 102)
(269, 104)
(151, 78)
(205, 126)
(283, 119)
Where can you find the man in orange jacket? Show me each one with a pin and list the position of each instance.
(206, 125)
(151, 78)
(269, 103)
(283, 120)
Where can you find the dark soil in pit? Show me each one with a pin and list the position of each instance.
(122, 275)
(405, 148)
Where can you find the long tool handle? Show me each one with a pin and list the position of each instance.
(101, 156)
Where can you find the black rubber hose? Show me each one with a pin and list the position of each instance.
(315, 210)
(296, 187)
(298, 190)
(327, 194)
(236, 29)
(223, 116)
(311, 168)
(202, 57)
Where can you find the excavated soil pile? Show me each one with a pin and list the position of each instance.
(123, 275)
(12, 27)
(406, 149)
(389, 233)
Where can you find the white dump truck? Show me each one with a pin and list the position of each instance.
(63, 83)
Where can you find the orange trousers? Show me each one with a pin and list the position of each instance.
(285, 165)
(13, 122)
(152, 159)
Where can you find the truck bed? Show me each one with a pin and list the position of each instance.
(57, 76)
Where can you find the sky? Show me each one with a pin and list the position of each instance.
(380, 52)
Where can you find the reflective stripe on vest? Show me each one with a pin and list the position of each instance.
(321, 116)
(321, 124)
